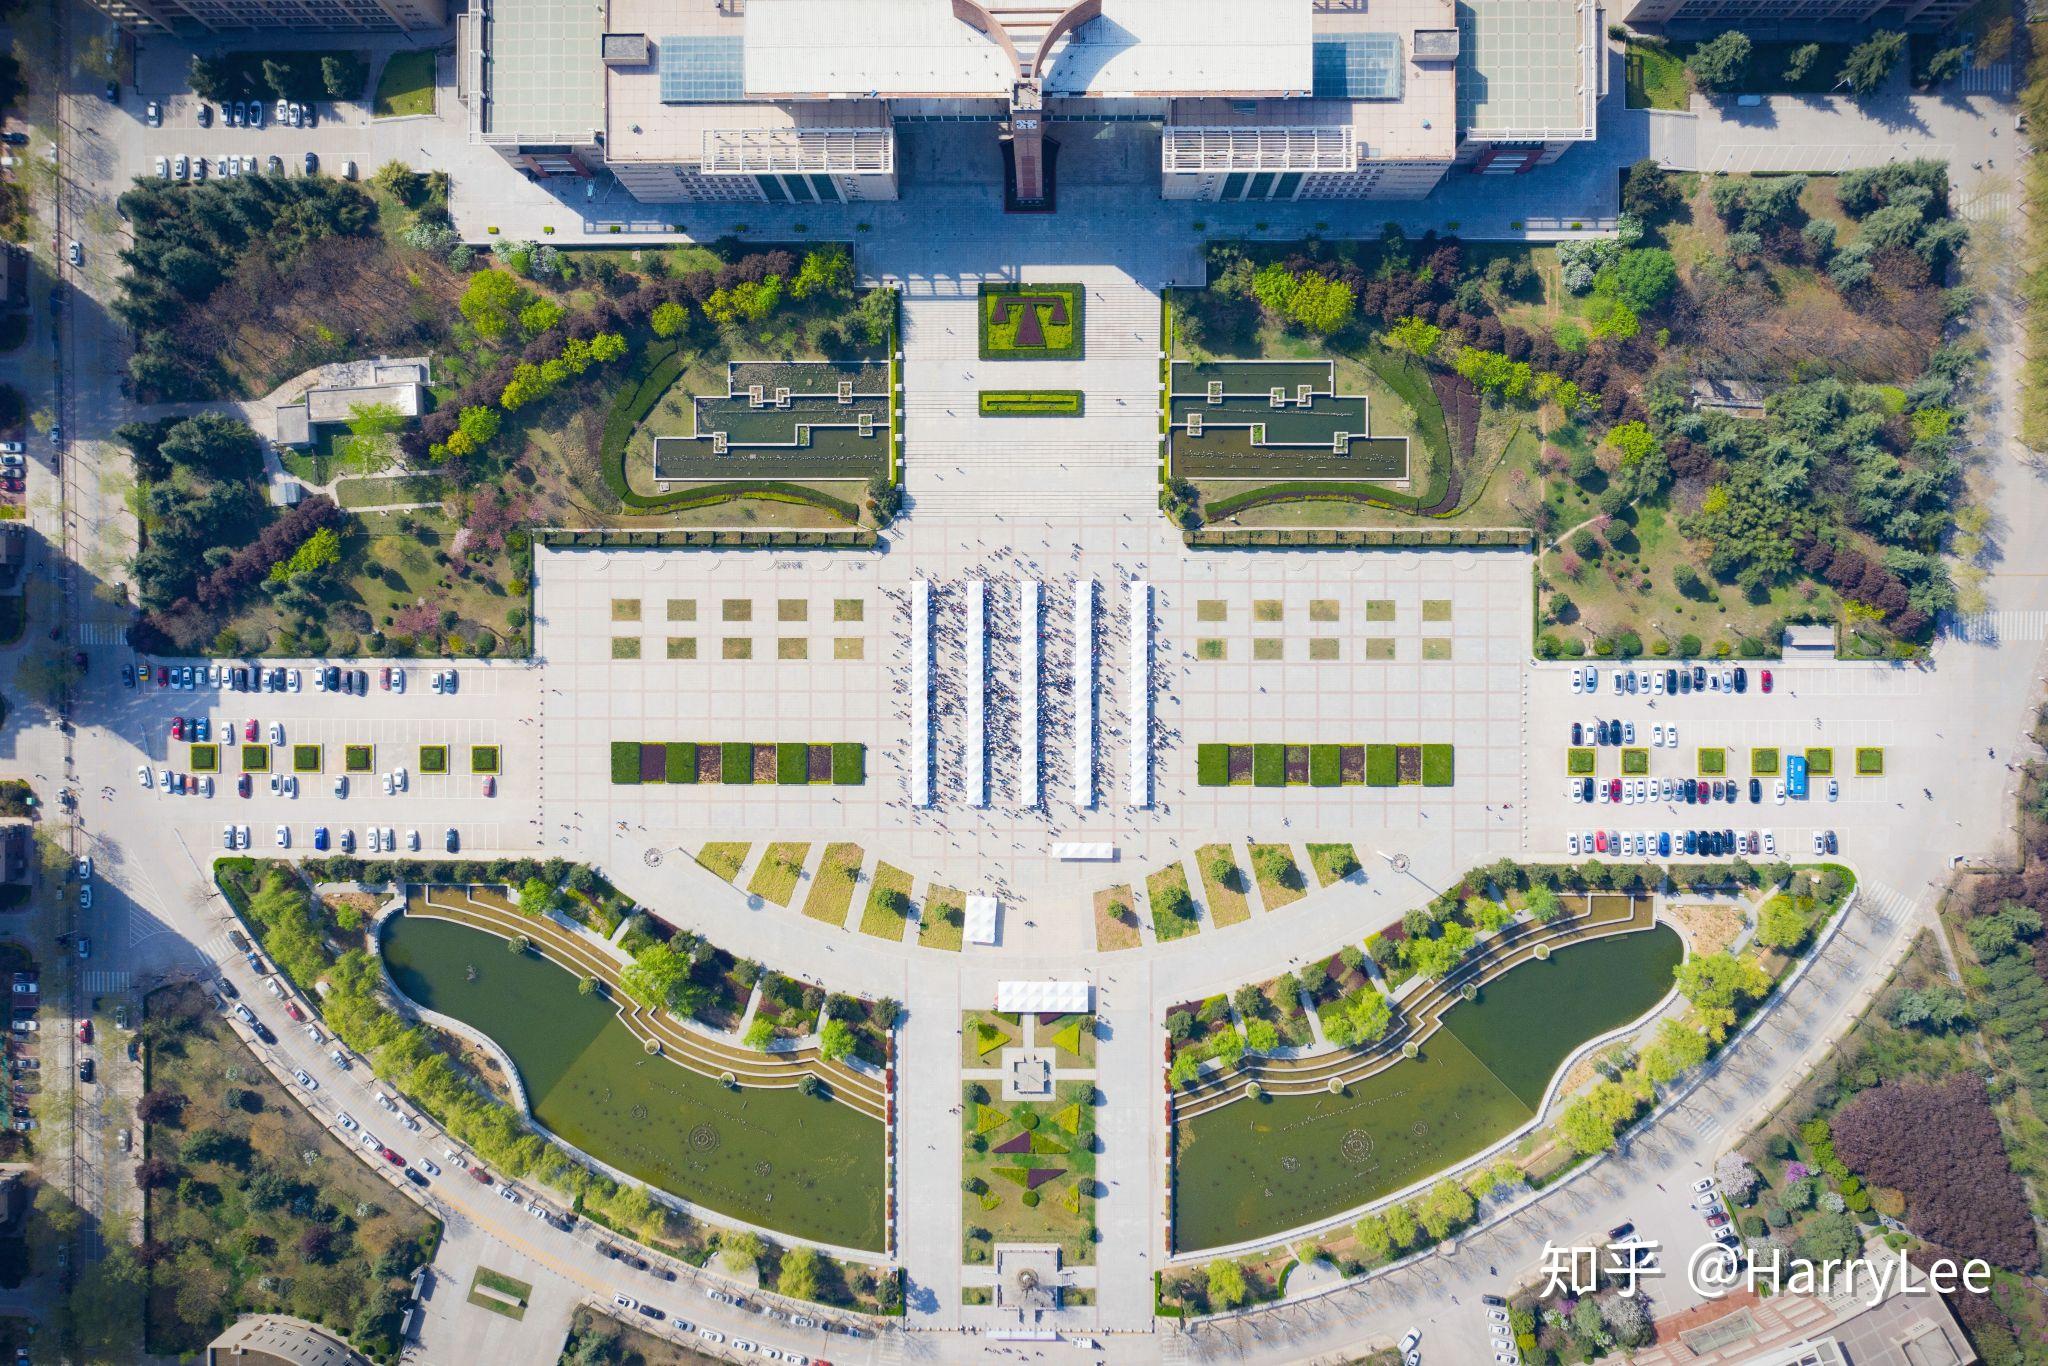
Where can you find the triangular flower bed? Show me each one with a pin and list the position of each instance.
(1038, 1176)
(1069, 1118)
(1020, 1144)
(988, 1119)
(1068, 1036)
(1040, 1143)
(1020, 1175)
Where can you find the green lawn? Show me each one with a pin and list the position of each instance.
(1333, 862)
(724, 858)
(832, 887)
(878, 918)
(1656, 78)
(775, 880)
(944, 917)
(406, 87)
(1169, 887)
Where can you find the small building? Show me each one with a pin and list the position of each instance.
(17, 852)
(342, 390)
(277, 1340)
(1809, 642)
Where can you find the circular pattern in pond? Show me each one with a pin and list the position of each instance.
(1357, 1146)
(703, 1139)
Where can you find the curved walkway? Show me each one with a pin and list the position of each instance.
(1418, 1017)
(685, 1047)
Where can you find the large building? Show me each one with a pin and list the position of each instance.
(786, 101)
(197, 18)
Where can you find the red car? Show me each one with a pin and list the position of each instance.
(85, 1031)
(1600, 841)
(490, 787)
(293, 1011)
(384, 679)
(163, 677)
(393, 1158)
(480, 1174)
(177, 727)
(1767, 680)
(249, 729)
(1614, 790)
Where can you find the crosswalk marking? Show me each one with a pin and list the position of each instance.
(102, 633)
(1995, 79)
(1990, 628)
(1886, 906)
(105, 981)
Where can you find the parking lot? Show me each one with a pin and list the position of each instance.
(1837, 708)
(302, 775)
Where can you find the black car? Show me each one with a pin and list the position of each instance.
(1729, 844)
(1621, 1231)
(1699, 678)
(332, 677)
(1578, 733)
(1692, 790)
(451, 843)
(241, 679)
(1741, 679)
(1684, 681)
(227, 989)
(362, 683)
(113, 92)
(1671, 680)
(1756, 790)
(85, 1069)
(277, 680)
(651, 1312)
(1832, 847)
(662, 1273)
(608, 1252)
(14, 139)
(1586, 789)
(1689, 844)
(415, 1177)
(127, 675)
(263, 1032)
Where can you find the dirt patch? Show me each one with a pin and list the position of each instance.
(1240, 764)
(1351, 763)
(1408, 764)
(1709, 927)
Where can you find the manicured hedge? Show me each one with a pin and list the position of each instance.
(1635, 762)
(792, 764)
(483, 758)
(1439, 765)
(1820, 763)
(434, 758)
(1382, 766)
(357, 758)
(625, 761)
(849, 764)
(306, 759)
(255, 758)
(735, 762)
(1869, 762)
(1763, 762)
(680, 761)
(206, 758)
(1580, 762)
(1324, 766)
(1269, 765)
(677, 761)
(1338, 538)
(1713, 762)
(1031, 403)
(1212, 765)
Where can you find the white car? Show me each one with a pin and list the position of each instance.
(390, 840)
(345, 1120)
(626, 1302)
(341, 785)
(276, 733)
(276, 784)
(376, 841)
(340, 1059)
(398, 674)
(284, 837)
(1578, 680)
(1670, 790)
(1657, 735)
(163, 168)
(1770, 843)
(457, 1158)
(743, 1345)
(387, 1102)
(710, 1335)
(142, 776)
(429, 1168)
(389, 786)
(1820, 847)
(412, 840)
(1657, 683)
(305, 1080)
(291, 785)
(291, 680)
(181, 167)
(1834, 790)
(403, 776)
(1411, 1340)
(436, 681)
(319, 681)
(1628, 731)
(369, 1140)
(1778, 791)
(313, 1033)
(227, 837)
(163, 779)
(1671, 736)
(1703, 1186)
(1571, 843)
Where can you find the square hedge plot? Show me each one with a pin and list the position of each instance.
(357, 758)
(434, 758)
(306, 759)
(1269, 765)
(205, 758)
(1212, 765)
(483, 758)
(255, 758)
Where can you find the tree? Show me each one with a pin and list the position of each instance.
(1716, 983)
(1800, 60)
(1543, 904)
(1868, 64)
(1443, 1207)
(827, 271)
(667, 319)
(539, 317)
(1829, 1237)
(740, 1249)
(1416, 337)
(343, 75)
(1945, 65)
(1373, 1239)
(798, 1277)
(160, 1105)
(1401, 1226)
(1737, 1177)
(1227, 1289)
(835, 1040)
(490, 302)
(1720, 63)
(1676, 1051)
(1642, 278)
(1779, 925)
(1647, 192)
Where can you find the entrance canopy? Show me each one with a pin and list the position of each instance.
(1045, 998)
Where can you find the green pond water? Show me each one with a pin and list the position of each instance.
(1256, 1168)
(804, 1165)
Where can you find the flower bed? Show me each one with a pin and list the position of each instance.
(1326, 765)
(787, 763)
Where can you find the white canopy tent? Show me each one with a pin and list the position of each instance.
(1045, 998)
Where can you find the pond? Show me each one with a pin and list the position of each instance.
(775, 1157)
(1256, 1168)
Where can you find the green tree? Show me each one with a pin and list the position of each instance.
(1443, 1207)
(1322, 305)
(827, 271)
(1716, 983)
(1544, 904)
(667, 319)
(1829, 1237)
(1675, 1051)
(536, 898)
(1720, 63)
(1945, 65)
(798, 1276)
(1800, 60)
(835, 1040)
(490, 302)
(1642, 278)
(740, 1249)
(1227, 1289)
(1868, 64)
(1779, 925)
(1370, 1015)
(1401, 1226)
(1416, 337)
(1373, 1239)
(540, 316)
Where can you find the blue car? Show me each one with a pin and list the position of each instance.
(1664, 844)
(319, 837)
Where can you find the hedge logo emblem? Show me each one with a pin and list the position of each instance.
(1030, 326)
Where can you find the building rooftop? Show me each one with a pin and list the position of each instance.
(1187, 47)
(541, 77)
(1528, 70)
(856, 49)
